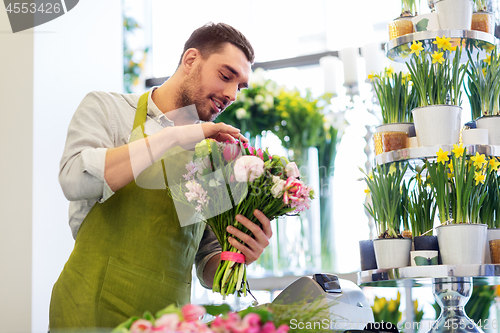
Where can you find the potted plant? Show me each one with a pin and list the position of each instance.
(482, 19)
(403, 24)
(396, 100)
(384, 185)
(489, 212)
(459, 187)
(454, 14)
(421, 213)
(483, 93)
(438, 78)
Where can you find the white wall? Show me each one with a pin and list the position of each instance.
(46, 71)
(16, 166)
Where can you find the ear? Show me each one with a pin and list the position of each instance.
(190, 58)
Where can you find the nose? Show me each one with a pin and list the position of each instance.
(230, 92)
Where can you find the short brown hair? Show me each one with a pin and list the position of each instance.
(211, 38)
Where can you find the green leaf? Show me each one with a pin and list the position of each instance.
(169, 309)
(148, 316)
(264, 315)
(216, 310)
(125, 326)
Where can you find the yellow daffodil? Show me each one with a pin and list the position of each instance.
(479, 178)
(392, 169)
(450, 175)
(488, 59)
(393, 305)
(406, 77)
(451, 166)
(443, 43)
(416, 47)
(415, 305)
(371, 76)
(489, 47)
(367, 191)
(419, 178)
(442, 156)
(484, 71)
(398, 297)
(458, 150)
(437, 57)
(389, 71)
(479, 160)
(494, 164)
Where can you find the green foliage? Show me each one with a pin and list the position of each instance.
(421, 206)
(131, 67)
(396, 97)
(483, 85)
(385, 190)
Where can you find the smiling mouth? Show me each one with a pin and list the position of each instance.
(217, 106)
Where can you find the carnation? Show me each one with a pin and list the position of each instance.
(248, 168)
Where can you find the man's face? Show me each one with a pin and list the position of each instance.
(214, 82)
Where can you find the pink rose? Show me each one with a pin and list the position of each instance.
(192, 312)
(283, 329)
(167, 323)
(251, 150)
(141, 326)
(252, 319)
(231, 152)
(292, 170)
(248, 168)
(260, 153)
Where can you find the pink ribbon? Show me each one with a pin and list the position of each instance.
(233, 256)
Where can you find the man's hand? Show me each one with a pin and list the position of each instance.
(222, 132)
(253, 247)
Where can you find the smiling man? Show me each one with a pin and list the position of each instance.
(132, 253)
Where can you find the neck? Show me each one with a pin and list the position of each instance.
(165, 97)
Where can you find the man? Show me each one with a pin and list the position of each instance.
(131, 252)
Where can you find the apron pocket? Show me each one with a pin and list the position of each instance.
(129, 290)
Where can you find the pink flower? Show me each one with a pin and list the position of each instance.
(283, 329)
(141, 326)
(192, 312)
(167, 323)
(248, 168)
(292, 170)
(245, 145)
(231, 152)
(252, 319)
(260, 153)
(251, 150)
(297, 194)
(268, 328)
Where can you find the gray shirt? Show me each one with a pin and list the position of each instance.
(101, 121)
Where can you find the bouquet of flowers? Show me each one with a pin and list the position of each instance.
(226, 179)
(187, 319)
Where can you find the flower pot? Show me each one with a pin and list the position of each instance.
(392, 252)
(397, 127)
(426, 243)
(425, 22)
(388, 141)
(492, 124)
(437, 124)
(483, 21)
(424, 258)
(492, 234)
(454, 14)
(367, 255)
(475, 136)
(462, 244)
(400, 27)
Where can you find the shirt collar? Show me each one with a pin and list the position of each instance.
(155, 113)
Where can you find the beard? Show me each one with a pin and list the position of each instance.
(191, 93)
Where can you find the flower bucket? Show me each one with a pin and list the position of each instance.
(437, 124)
(392, 252)
(397, 127)
(483, 21)
(367, 255)
(492, 124)
(462, 244)
(389, 141)
(492, 234)
(454, 14)
(425, 22)
(475, 136)
(400, 27)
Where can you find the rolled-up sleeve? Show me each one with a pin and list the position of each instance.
(209, 248)
(90, 134)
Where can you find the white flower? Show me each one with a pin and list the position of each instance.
(248, 168)
(278, 187)
(241, 113)
(257, 78)
(269, 100)
(259, 99)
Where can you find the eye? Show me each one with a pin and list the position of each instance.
(224, 77)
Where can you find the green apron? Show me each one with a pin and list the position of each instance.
(130, 254)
